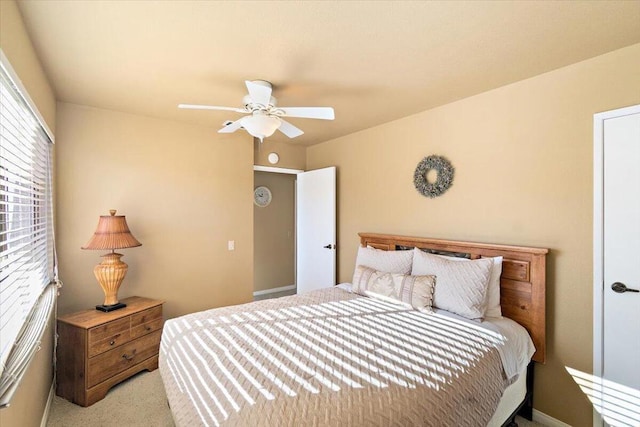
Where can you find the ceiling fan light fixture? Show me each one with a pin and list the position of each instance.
(260, 125)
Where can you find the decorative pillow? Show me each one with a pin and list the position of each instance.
(462, 286)
(416, 291)
(493, 293)
(385, 261)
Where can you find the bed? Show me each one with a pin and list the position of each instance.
(337, 357)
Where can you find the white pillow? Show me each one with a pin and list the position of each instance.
(416, 291)
(493, 293)
(461, 287)
(386, 261)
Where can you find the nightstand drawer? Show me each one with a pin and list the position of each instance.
(146, 328)
(146, 316)
(146, 322)
(109, 343)
(101, 337)
(114, 361)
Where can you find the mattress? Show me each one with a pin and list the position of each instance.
(331, 357)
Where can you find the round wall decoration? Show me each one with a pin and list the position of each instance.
(444, 178)
(262, 196)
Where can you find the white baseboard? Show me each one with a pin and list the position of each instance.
(547, 420)
(47, 408)
(274, 290)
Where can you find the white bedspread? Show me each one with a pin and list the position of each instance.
(332, 358)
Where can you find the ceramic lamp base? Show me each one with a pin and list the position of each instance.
(112, 307)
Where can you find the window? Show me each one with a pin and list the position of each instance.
(27, 255)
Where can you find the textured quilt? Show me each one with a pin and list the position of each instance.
(329, 358)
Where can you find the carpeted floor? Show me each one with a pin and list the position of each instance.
(139, 401)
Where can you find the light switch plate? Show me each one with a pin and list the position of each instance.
(231, 245)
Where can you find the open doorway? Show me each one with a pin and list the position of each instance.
(294, 230)
(274, 225)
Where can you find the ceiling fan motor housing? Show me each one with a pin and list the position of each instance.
(251, 105)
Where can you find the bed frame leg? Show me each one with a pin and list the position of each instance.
(527, 409)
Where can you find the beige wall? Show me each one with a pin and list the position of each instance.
(292, 156)
(17, 47)
(523, 159)
(185, 193)
(274, 233)
(28, 404)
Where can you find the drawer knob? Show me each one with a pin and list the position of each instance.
(147, 328)
(112, 342)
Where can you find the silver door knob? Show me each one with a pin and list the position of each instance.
(622, 288)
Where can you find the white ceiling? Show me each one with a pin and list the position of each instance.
(373, 61)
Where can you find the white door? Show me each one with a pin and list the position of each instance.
(316, 229)
(620, 267)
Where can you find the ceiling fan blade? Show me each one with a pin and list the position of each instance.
(230, 128)
(259, 94)
(288, 129)
(324, 113)
(211, 107)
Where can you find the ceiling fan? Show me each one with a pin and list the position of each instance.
(265, 116)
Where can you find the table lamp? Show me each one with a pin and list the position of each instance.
(112, 233)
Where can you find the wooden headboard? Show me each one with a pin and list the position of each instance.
(522, 284)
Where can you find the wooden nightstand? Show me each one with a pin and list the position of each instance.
(97, 350)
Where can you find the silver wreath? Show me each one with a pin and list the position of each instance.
(443, 181)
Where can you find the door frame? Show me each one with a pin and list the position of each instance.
(273, 169)
(258, 168)
(598, 239)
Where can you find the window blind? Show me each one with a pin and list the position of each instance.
(27, 261)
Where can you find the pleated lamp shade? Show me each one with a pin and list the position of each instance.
(112, 233)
